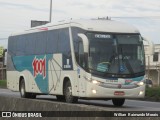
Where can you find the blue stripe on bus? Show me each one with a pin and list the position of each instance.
(22, 63)
(138, 78)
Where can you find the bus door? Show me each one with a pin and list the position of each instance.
(80, 70)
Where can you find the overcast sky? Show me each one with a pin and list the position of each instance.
(16, 15)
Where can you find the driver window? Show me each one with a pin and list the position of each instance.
(81, 60)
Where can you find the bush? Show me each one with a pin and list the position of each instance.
(3, 83)
(153, 93)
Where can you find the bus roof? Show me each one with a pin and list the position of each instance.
(110, 26)
(106, 26)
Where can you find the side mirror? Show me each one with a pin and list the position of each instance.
(150, 45)
(85, 42)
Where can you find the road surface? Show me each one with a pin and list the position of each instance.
(130, 105)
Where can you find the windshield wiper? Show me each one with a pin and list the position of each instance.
(127, 63)
(129, 67)
(102, 74)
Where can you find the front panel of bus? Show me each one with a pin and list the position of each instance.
(115, 65)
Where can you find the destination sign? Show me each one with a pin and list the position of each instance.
(102, 36)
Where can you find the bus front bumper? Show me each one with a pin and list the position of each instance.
(96, 91)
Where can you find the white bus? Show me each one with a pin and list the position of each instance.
(86, 59)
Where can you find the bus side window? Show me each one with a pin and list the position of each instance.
(40, 45)
(20, 46)
(52, 42)
(12, 46)
(64, 43)
(81, 60)
(30, 44)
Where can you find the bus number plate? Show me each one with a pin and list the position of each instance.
(119, 93)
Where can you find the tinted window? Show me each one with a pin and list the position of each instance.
(81, 60)
(21, 40)
(55, 41)
(75, 32)
(30, 44)
(52, 41)
(12, 46)
(41, 39)
(64, 42)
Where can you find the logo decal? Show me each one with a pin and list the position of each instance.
(68, 64)
(119, 86)
(128, 81)
(122, 68)
(39, 67)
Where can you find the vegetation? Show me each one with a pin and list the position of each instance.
(153, 93)
(3, 83)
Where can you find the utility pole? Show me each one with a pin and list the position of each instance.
(50, 17)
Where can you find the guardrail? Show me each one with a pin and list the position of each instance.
(18, 107)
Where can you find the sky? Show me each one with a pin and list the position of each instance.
(16, 15)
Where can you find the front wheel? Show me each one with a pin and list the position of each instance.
(68, 93)
(118, 101)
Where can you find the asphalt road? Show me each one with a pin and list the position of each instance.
(130, 105)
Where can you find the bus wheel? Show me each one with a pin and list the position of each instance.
(31, 95)
(23, 90)
(118, 101)
(60, 97)
(68, 93)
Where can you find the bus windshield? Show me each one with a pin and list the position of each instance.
(116, 54)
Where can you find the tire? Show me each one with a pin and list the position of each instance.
(68, 93)
(118, 101)
(22, 89)
(32, 95)
(23, 92)
(60, 98)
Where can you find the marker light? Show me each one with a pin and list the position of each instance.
(43, 28)
(141, 92)
(140, 83)
(95, 82)
(94, 91)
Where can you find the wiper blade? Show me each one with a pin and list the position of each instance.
(127, 63)
(129, 67)
(96, 70)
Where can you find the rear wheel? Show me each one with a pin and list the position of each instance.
(23, 92)
(118, 101)
(60, 97)
(22, 89)
(68, 93)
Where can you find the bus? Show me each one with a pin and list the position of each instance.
(78, 59)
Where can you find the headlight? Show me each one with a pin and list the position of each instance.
(94, 91)
(141, 92)
(96, 82)
(93, 81)
(141, 83)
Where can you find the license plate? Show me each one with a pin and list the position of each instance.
(119, 93)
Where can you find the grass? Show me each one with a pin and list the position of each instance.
(3, 83)
(153, 93)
